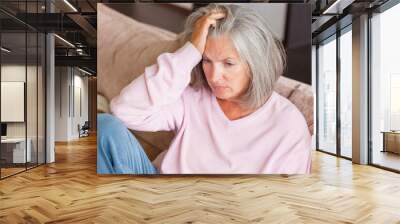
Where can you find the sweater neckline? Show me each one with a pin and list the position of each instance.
(244, 119)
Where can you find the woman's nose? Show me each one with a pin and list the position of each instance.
(216, 73)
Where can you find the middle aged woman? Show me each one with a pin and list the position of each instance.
(228, 120)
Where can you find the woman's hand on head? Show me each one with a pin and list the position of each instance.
(201, 27)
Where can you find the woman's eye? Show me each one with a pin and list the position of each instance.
(229, 63)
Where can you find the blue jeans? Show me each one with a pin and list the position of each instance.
(118, 151)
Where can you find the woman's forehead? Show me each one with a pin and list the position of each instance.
(220, 47)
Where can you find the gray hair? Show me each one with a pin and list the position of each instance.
(255, 44)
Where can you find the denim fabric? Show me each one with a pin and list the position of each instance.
(118, 151)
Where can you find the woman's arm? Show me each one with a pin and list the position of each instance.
(152, 102)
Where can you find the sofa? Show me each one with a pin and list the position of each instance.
(126, 46)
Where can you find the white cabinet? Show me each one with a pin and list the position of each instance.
(17, 146)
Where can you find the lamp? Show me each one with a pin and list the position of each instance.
(84, 71)
(5, 50)
(337, 7)
(64, 40)
(70, 5)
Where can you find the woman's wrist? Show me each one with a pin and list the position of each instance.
(188, 55)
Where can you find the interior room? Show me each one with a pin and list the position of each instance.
(51, 96)
(22, 102)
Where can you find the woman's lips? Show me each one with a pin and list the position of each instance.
(220, 87)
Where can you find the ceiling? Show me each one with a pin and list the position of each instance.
(76, 24)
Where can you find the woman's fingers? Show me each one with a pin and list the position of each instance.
(212, 18)
(201, 27)
(217, 15)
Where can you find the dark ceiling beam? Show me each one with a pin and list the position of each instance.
(337, 7)
(56, 22)
(91, 5)
(16, 18)
(49, 22)
(84, 24)
(86, 69)
(83, 61)
(320, 23)
(11, 25)
(64, 51)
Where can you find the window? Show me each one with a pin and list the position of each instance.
(22, 65)
(346, 93)
(385, 88)
(327, 96)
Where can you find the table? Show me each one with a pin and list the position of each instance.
(13, 150)
(391, 141)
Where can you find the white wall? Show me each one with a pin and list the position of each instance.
(17, 73)
(62, 80)
(79, 117)
(69, 85)
(34, 125)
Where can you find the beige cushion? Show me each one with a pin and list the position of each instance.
(303, 98)
(285, 86)
(125, 47)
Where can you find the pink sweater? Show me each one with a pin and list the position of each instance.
(274, 139)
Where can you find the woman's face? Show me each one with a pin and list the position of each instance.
(226, 74)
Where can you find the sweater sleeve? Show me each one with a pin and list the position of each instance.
(153, 101)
